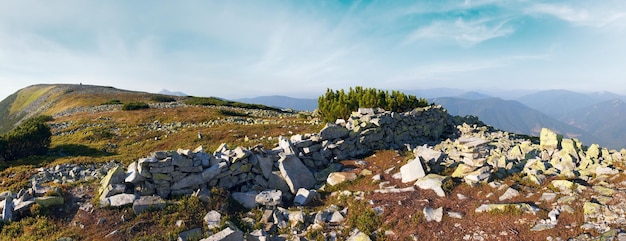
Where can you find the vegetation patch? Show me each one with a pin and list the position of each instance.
(112, 102)
(135, 106)
(212, 101)
(27, 96)
(363, 217)
(339, 104)
(28, 139)
(162, 98)
(232, 113)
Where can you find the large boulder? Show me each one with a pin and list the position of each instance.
(116, 175)
(548, 139)
(246, 199)
(119, 200)
(332, 131)
(296, 174)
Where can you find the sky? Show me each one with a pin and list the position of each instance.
(237, 49)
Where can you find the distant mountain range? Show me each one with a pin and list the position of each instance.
(283, 102)
(591, 117)
(174, 93)
(512, 116)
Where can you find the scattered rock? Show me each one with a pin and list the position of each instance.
(340, 177)
(432, 182)
(412, 171)
(228, 234)
(433, 214)
(213, 219)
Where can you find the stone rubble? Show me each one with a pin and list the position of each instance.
(292, 172)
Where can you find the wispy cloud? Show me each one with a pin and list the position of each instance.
(449, 70)
(596, 16)
(465, 33)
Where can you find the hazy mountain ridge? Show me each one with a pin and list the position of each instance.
(512, 116)
(174, 93)
(606, 119)
(284, 102)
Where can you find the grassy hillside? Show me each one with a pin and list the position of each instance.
(86, 130)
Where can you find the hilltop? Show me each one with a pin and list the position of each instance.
(188, 171)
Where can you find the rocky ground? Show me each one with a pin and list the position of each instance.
(444, 181)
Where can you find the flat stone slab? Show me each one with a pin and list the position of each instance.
(510, 193)
(146, 203)
(340, 177)
(227, 234)
(524, 207)
(432, 182)
(412, 171)
(433, 214)
(120, 200)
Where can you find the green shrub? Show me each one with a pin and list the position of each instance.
(162, 98)
(363, 217)
(339, 104)
(212, 101)
(231, 113)
(112, 102)
(30, 138)
(135, 106)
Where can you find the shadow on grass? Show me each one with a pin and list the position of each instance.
(66, 150)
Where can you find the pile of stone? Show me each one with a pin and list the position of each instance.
(17, 204)
(480, 156)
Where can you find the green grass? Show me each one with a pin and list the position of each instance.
(27, 96)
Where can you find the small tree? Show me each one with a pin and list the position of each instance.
(338, 104)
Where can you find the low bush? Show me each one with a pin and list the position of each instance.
(135, 106)
(30, 138)
(212, 101)
(112, 102)
(162, 98)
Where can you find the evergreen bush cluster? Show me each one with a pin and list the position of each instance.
(135, 106)
(339, 104)
(30, 138)
(162, 98)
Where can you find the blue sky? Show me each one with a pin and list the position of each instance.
(236, 49)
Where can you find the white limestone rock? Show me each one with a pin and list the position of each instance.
(412, 171)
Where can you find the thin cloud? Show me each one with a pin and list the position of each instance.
(465, 33)
(579, 15)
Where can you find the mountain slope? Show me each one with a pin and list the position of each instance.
(558, 102)
(511, 116)
(606, 119)
(283, 102)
